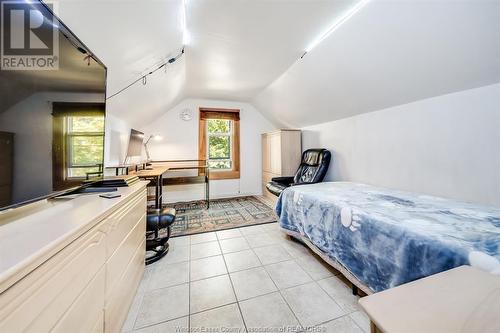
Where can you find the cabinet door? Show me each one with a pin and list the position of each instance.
(275, 152)
(266, 163)
(122, 221)
(119, 301)
(291, 152)
(38, 301)
(84, 316)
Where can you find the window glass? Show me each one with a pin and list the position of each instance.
(219, 126)
(86, 124)
(85, 136)
(219, 132)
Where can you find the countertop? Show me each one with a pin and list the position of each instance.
(30, 235)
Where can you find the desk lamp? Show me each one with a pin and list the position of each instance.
(155, 137)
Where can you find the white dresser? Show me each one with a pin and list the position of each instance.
(72, 265)
(281, 153)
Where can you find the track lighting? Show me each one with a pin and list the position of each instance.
(143, 78)
(335, 25)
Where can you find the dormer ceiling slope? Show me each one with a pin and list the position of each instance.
(389, 53)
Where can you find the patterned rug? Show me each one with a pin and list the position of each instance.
(193, 217)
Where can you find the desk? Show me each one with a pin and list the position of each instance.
(159, 168)
(176, 165)
(155, 176)
(463, 299)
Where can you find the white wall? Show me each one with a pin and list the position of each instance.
(115, 140)
(446, 146)
(180, 141)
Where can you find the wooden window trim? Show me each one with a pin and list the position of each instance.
(216, 113)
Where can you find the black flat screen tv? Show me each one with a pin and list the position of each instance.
(52, 106)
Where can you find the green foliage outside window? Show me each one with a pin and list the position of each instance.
(215, 164)
(85, 144)
(219, 143)
(87, 124)
(219, 126)
(219, 147)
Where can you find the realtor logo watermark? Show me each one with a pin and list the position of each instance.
(30, 39)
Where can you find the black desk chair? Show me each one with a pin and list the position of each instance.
(156, 220)
(312, 169)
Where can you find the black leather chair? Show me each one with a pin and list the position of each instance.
(157, 220)
(312, 169)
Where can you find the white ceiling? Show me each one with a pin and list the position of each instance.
(130, 37)
(389, 53)
(237, 48)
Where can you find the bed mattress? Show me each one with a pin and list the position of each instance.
(384, 237)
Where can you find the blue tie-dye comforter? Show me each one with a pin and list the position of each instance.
(386, 237)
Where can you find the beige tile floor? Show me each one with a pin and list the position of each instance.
(251, 279)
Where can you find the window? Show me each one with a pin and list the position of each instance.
(219, 142)
(84, 145)
(78, 143)
(219, 133)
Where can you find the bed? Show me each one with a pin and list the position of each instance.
(381, 238)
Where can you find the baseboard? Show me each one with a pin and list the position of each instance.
(212, 197)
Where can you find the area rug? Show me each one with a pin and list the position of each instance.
(193, 217)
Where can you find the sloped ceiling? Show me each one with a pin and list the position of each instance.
(237, 48)
(389, 53)
(130, 37)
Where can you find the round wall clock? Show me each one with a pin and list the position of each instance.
(186, 115)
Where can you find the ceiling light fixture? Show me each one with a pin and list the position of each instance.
(338, 22)
(185, 32)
